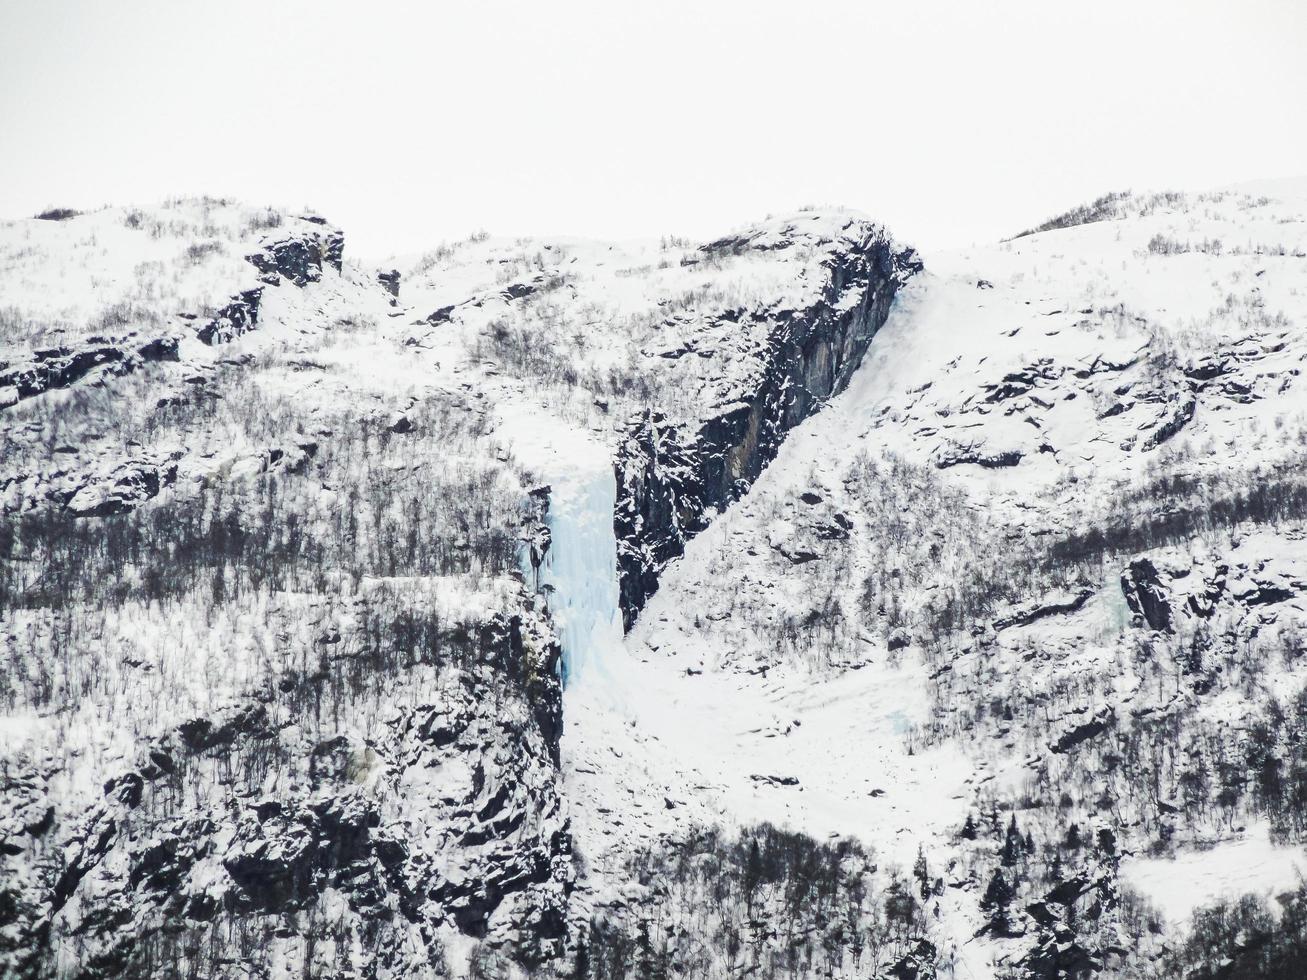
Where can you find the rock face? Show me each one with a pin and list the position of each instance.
(1051, 605)
(1084, 731)
(128, 486)
(59, 367)
(279, 688)
(300, 259)
(672, 475)
(1145, 593)
(275, 828)
(238, 317)
(390, 283)
(372, 785)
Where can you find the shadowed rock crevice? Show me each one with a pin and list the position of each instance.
(672, 475)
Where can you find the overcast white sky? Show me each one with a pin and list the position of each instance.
(409, 123)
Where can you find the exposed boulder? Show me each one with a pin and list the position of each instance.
(898, 639)
(238, 317)
(1208, 367)
(1017, 383)
(796, 555)
(1083, 732)
(442, 315)
(1061, 956)
(1145, 594)
(990, 459)
(519, 290)
(916, 964)
(390, 283)
(772, 780)
(1265, 594)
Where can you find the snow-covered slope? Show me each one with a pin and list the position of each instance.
(282, 673)
(940, 602)
(274, 687)
(770, 606)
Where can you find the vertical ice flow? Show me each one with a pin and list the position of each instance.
(581, 570)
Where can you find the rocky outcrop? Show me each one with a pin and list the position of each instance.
(300, 259)
(1058, 604)
(1059, 951)
(389, 281)
(954, 455)
(1145, 594)
(60, 367)
(1084, 731)
(448, 815)
(238, 317)
(1174, 421)
(916, 964)
(672, 475)
(126, 487)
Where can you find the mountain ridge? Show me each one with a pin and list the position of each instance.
(288, 614)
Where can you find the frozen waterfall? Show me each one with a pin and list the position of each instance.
(581, 571)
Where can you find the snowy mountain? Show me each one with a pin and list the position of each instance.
(788, 604)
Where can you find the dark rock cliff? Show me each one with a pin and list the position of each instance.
(300, 258)
(671, 475)
(59, 367)
(297, 260)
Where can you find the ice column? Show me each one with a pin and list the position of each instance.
(581, 572)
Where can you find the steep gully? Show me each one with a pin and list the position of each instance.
(613, 531)
(616, 520)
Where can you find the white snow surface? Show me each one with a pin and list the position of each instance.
(700, 729)
(1247, 864)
